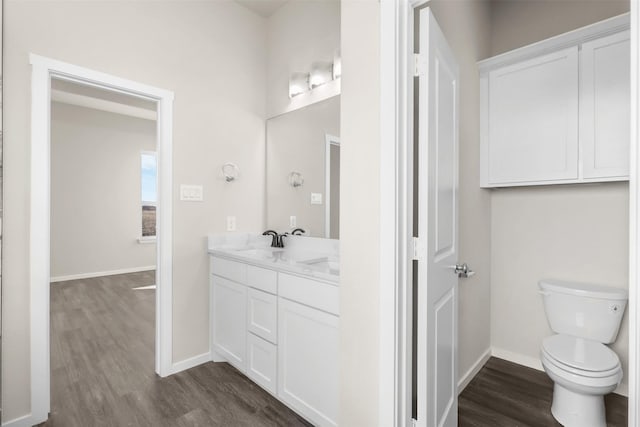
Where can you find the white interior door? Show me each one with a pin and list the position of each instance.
(437, 328)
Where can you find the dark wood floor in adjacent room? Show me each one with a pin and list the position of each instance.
(505, 394)
(102, 367)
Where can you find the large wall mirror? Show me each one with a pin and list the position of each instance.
(303, 170)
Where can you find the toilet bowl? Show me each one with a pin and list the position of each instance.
(582, 367)
(579, 387)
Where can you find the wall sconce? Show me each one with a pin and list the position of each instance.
(296, 179)
(337, 65)
(321, 73)
(298, 83)
(230, 172)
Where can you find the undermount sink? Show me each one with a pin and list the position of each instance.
(323, 263)
(262, 252)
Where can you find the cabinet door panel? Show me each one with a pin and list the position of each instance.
(230, 321)
(262, 311)
(262, 362)
(533, 120)
(308, 361)
(605, 106)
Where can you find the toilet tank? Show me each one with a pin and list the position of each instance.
(584, 310)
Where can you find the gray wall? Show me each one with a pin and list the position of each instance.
(95, 191)
(575, 232)
(212, 55)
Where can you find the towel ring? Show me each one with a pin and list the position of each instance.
(230, 172)
(296, 179)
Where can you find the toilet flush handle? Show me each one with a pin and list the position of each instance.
(544, 293)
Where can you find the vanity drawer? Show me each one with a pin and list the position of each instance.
(320, 295)
(262, 362)
(262, 314)
(263, 279)
(232, 270)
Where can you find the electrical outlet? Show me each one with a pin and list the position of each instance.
(316, 198)
(231, 223)
(292, 221)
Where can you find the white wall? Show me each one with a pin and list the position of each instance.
(212, 55)
(296, 142)
(95, 191)
(575, 232)
(298, 34)
(359, 213)
(466, 25)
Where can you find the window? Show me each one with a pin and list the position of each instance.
(149, 193)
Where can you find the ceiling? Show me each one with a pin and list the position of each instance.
(264, 8)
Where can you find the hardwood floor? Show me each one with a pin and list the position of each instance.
(505, 394)
(102, 367)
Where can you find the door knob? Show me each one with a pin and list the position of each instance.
(462, 270)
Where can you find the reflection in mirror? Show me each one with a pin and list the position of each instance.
(305, 141)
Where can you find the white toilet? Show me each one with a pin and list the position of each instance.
(584, 317)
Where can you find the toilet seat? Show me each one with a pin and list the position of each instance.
(580, 356)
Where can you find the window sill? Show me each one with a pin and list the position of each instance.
(147, 240)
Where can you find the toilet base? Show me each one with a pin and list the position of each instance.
(577, 410)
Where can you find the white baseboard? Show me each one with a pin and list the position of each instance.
(520, 359)
(23, 421)
(473, 370)
(102, 273)
(535, 363)
(190, 363)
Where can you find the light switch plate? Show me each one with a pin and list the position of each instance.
(292, 221)
(191, 193)
(316, 198)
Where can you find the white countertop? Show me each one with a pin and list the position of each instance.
(312, 257)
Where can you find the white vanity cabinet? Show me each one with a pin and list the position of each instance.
(281, 330)
(557, 112)
(228, 310)
(308, 372)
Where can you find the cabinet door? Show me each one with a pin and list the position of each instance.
(262, 311)
(262, 362)
(605, 107)
(533, 121)
(308, 361)
(229, 319)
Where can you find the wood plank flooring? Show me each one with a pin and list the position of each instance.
(102, 367)
(505, 394)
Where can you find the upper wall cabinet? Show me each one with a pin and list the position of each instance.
(557, 112)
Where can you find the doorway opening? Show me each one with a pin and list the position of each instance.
(44, 72)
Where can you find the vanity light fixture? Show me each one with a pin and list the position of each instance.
(321, 73)
(337, 65)
(298, 83)
(296, 179)
(230, 172)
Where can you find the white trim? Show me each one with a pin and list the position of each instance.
(562, 41)
(101, 273)
(23, 421)
(102, 105)
(464, 381)
(191, 362)
(43, 69)
(329, 140)
(396, 190)
(520, 359)
(634, 223)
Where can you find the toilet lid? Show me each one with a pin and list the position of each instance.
(580, 353)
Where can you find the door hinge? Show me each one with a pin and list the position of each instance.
(417, 249)
(419, 64)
